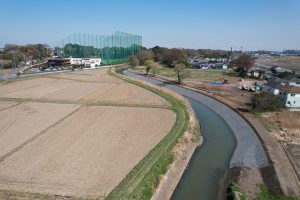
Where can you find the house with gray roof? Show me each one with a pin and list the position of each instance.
(274, 86)
(294, 81)
(288, 90)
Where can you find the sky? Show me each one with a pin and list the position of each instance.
(210, 24)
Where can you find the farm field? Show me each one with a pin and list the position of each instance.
(85, 87)
(22, 122)
(59, 137)
(290, 62)
(87, 154)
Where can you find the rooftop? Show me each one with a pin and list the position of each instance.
(290, 89)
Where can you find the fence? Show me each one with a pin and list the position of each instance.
(111, 49)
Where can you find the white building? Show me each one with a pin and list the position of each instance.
(290, 95)
(92, 62)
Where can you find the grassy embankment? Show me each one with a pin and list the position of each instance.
(196, 74)
(6, 71)
(145, 176)
(263, 195)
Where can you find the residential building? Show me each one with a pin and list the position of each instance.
(288, 91)
(290, 95)
(294, 82)
(92, 62)
(280, 70)
(273, 86)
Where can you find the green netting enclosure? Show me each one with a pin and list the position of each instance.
(111, 49)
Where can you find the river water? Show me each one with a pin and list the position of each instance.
(210, 161)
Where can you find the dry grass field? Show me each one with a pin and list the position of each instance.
(290, 62)
(284, 125)
(53, 141)
(200, 79)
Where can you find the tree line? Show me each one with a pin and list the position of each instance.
(174, 58)
(12, 55)
(178, 59)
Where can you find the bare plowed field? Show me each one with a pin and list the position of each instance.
(15, 86)
(6, 105)
(90, 75)
(93, 85)
(57, 139)
(88, 153)
(125, 93)
(21, 122)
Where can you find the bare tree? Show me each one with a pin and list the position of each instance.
(174, 56)
(159, 53)
(180, 71)
(242, 64)
(145, 55)
(133, 61)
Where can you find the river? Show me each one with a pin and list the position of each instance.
(228, 142)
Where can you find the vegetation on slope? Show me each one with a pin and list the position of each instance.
(144, 178)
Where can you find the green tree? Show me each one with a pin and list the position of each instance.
(148, 65)
(154, 69)
(265, 101)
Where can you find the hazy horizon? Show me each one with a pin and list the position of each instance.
(255, 25)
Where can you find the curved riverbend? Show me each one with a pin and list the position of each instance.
(228, 142)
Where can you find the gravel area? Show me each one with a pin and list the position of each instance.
(249, 151)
